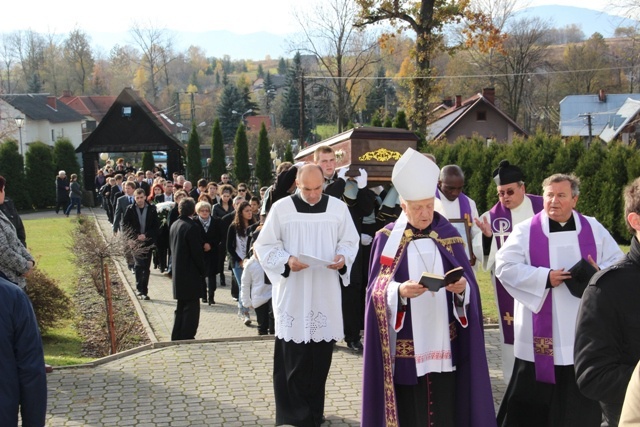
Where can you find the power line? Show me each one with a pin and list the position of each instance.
(468, 76)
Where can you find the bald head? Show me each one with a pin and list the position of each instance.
(309, 181)
(309, 168)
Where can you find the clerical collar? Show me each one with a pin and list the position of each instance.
(304, 207)
(419, 233)
(555, 226)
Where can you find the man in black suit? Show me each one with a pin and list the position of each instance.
(122, 203)
(188, 271)
(116, 192)
(167, 196)
(141, 219)
(200, 189)
(142, 183)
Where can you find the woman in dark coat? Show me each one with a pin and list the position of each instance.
(210, 233)
(218, 211)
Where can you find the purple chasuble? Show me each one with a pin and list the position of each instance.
(474, 399)
(543, 320)
(502, 226)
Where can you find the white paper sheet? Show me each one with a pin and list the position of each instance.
(312, 261)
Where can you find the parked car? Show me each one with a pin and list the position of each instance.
(159, 156)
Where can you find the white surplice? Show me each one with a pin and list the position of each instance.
(519, 214)
(527, 284)
(429, 311)
(452, 211)
(307, 304)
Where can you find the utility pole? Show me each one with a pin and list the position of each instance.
(301, 128)
(193, 108)
(590, 125)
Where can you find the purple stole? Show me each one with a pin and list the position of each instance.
(502, 226)
(465, 206)
(543, 320)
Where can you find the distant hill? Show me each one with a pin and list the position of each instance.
(590, 21)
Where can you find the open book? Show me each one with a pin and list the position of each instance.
(434, 282)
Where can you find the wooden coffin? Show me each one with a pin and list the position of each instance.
(374, 149)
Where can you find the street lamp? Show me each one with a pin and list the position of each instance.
(19, 123)
(242, 114)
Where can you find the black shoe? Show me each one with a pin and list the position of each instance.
(211, 301)
(146, 297)
(355, 345)
(204, 300)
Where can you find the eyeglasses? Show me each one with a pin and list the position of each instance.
(243, 190)
(510, 192)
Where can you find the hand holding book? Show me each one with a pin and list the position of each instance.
(434, 282)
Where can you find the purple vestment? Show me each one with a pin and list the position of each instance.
(474, 401)
(543, 320)
(502, 226)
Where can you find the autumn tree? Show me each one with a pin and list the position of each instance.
(523, 52)
(343, 52)
(427, 19)
(79, 58)
(586, 65)
(156, 46)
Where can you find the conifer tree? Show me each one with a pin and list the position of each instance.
(64, 157)
(218, 164)
(400, 121)
(40, 169)
(147, 161)
(194, 156)
(12, 169)
(263, 158)
(241, 171)
(288, 154)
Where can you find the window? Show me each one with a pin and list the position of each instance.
(481, 116)
(53, 135)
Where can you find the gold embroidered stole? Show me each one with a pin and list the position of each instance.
(379, 299)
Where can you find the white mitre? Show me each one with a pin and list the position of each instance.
(415, 177)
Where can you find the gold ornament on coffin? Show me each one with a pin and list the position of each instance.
(380, 155)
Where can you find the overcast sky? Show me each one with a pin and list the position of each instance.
(242, 17)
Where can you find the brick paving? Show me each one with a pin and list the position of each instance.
(221, 379)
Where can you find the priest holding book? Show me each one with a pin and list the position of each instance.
(533, 266)
(424, 354)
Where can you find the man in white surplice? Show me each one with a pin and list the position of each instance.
(306, 298)
(532, 265)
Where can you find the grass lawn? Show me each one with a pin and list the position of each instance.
(48, 241)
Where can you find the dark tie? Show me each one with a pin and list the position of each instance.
(130, 200)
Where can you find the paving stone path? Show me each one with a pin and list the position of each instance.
(221, 379)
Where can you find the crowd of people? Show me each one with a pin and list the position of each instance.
(323, 255)
(371, 247)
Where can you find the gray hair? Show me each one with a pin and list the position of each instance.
(561, 177)
(451, 170)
